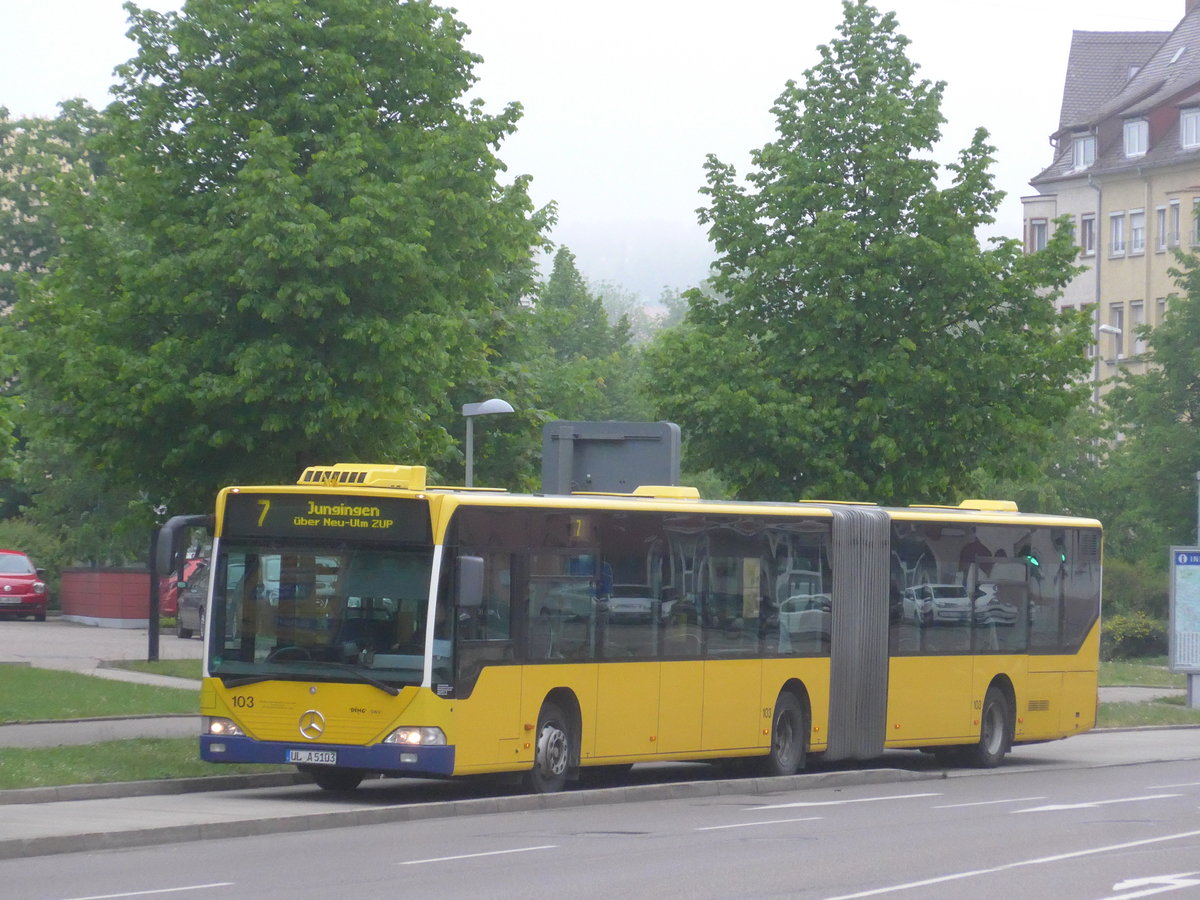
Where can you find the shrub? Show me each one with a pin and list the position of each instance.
(1135, 587)
(1127, 635)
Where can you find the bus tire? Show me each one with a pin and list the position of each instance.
(789, 737)
(995, 731)
(337, 780)
(553, 752)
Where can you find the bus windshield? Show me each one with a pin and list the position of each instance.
(335, 613)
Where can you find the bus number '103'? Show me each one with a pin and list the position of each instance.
(242, 702)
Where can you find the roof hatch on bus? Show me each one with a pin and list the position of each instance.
(411, 478)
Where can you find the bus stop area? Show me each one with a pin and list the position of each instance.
(44, 821)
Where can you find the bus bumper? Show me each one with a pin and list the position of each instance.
(391, 759)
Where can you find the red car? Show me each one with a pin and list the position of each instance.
(22, 588)
(168, 597)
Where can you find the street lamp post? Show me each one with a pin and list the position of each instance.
(1102, 329)
(495, 406)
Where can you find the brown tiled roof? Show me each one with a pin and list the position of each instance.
(1099, 87)
(1098, 69)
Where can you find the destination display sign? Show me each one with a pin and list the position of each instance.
(327, 515)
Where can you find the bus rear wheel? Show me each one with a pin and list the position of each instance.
(995, 731)
(789, 737)
(552, 755)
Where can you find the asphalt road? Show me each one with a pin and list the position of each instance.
(1070, 833)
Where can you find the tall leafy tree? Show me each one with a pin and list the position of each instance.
(298, 253)
(34, 155)
(584, 367)
(1152, 468)
(858, 340)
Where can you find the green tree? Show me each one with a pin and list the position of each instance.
(299, 251)
(858, 341)
(584, 367)
(34, 154)
(1152, 468)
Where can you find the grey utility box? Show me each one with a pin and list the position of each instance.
(609, 457)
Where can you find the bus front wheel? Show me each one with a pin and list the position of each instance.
(789, 737)
(337, 780)
(552, 755)
(995, 731)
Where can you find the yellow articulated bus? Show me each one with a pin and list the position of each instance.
(360, 622)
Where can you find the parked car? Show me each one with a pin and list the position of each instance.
(22, 586)
(193, 595)
(168, 602)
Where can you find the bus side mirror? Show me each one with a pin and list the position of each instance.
(168, 546)
(470, 582)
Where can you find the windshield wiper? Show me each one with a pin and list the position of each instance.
(243, 680)
(359, 673)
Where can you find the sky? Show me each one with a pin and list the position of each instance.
(624, 99)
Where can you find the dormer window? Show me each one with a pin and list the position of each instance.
(1137, 137)
(1083, 152)
(1189, 127)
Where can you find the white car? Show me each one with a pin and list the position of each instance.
(931, 604)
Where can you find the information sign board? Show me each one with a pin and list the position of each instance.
(1185, 609)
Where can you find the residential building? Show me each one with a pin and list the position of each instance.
(1126, 177)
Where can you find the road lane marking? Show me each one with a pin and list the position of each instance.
(417, 862)
(840, 802)
(1166, 787)
(174, 890)
(1155, 884)
(1057, 807)
(1059, 857)
(989, 802)
(753, 824)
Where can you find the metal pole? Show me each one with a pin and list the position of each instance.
(1193, 680)
(152, 645)
(470, 451)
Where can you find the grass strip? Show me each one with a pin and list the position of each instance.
(112, 761)
(1149, 672)
(1168, 711)
(29, 695)
(175, 668)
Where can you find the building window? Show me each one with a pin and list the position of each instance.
(1084, 152)
(1137, 231)
(1137, 137)
(1116, 230)
(1161, 303)
(1189, 127)
(1037, 235)
(1087, 235)
(1137, 318)
(1160, 229)
(1173, 224)
(1116, 318)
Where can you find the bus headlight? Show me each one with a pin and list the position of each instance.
(223, 727)
(414, 736)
